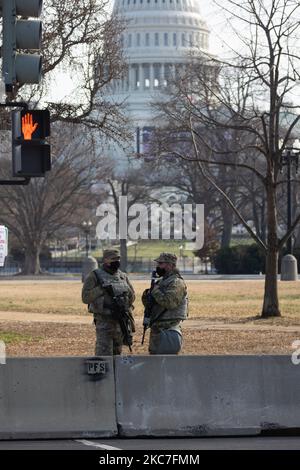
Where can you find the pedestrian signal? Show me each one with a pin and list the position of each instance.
(30, 150)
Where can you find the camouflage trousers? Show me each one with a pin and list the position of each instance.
(156, 337)
(109, 337)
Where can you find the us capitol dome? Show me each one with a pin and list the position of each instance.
(158, 37)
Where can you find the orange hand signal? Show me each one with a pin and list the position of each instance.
(28, 127)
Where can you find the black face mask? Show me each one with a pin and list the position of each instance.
(114, 265)
(160, 271)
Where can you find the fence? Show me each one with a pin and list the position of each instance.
(68, 265)
(10, 268)
(134, 264)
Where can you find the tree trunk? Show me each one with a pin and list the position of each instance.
(271, 302)
(263, 222)
(32, 261)
(227, 216)
(297, 238)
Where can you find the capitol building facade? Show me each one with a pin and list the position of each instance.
(157, 40)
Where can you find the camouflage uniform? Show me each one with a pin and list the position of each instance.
(109, 337)
(170, 295)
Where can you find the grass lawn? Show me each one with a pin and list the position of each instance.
(213, 306)
(11, 337)
(211, 300)
(151, 249)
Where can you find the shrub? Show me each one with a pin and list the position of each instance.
(240, 259)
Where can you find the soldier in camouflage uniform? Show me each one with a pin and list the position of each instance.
(170, 307)
(109, 336)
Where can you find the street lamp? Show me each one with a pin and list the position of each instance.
(86, 227)
(289, 157)
(89, 263)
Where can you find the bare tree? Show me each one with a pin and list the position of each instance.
(85, 40)
(254, 100)
(133, 184)
(37, 212)
(183, 175)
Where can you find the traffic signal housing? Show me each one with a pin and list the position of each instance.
(21, 35)
(30, 151)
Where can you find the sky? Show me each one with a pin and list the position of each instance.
(220, 33)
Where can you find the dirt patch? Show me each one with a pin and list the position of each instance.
(53, 339)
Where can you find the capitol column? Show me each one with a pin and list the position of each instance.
(131, 77)
(173, 72)
(151, 76)
(141, 76)
(162, 71)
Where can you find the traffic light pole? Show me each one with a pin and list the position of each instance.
(14, 104)
(24, 181)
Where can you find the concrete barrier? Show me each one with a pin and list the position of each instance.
(56, 398)
(206, 395)
(148, 396)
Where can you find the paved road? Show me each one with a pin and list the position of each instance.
(212, 443)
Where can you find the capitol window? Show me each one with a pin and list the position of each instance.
(166, 39)
(138, 39)
(147, 39)
(174, 39)
(156, 39)
(129, 40)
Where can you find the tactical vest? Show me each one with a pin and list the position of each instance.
(178, 313)
(102, 304)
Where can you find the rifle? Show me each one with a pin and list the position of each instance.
(121, 313)
(149, 305)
